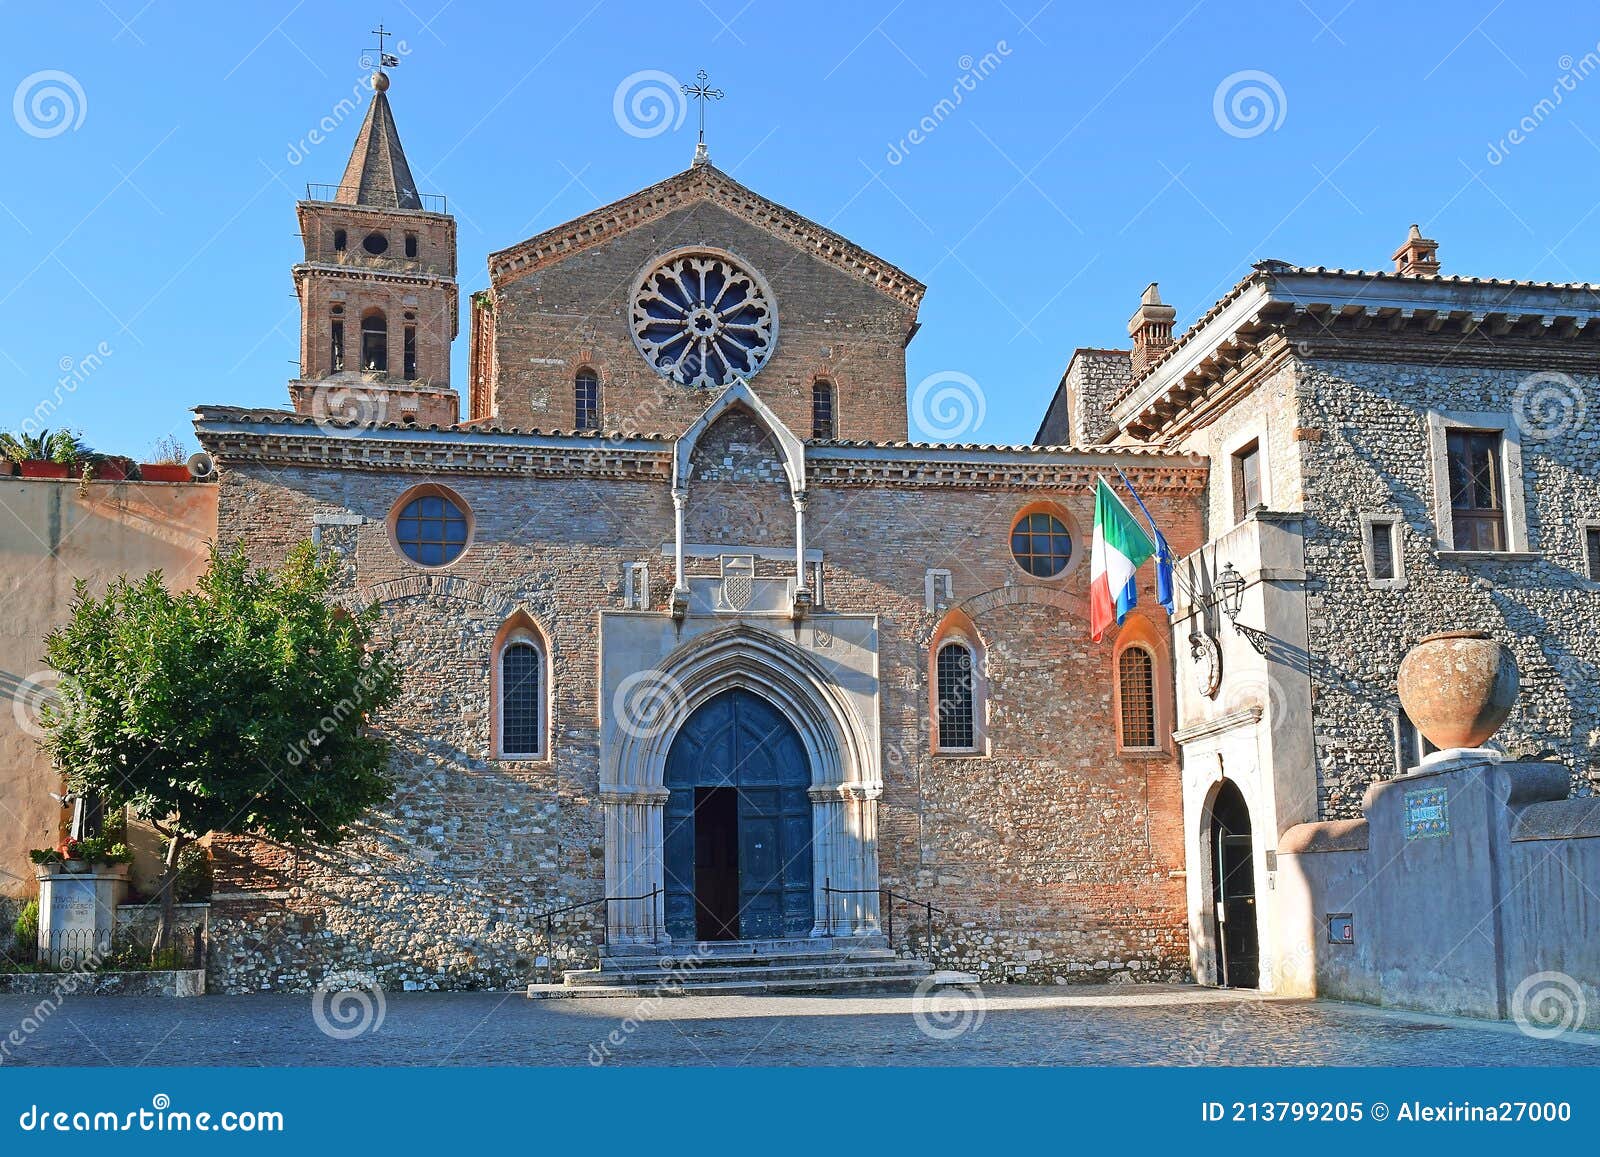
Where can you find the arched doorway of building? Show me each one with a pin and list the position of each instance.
(1233, 890)
(737, 839)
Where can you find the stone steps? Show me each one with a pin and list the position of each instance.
(750, 974)
(835, 986)
(740, 968)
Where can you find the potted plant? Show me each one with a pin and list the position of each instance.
(92, 854)
(47, 454)
(168, 462)
(164, 472)
(112, 468)
(49, 859)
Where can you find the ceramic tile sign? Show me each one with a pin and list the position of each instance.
(1427, 813)
(1341, 928)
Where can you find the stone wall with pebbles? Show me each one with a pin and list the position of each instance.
(1363, 446)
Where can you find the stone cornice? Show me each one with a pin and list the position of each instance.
(1360, 316)
(703, 183)
(1206, 728)
(1177, 474)
(330, 272)
(280, 439)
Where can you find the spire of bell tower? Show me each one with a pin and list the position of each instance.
(377, 174)
(377, 286)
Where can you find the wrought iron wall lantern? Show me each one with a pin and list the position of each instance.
(1228, 594)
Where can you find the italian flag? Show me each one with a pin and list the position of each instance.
(1120, 547)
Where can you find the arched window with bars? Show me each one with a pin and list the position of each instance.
(521, 691)
(823, 424)
(586, 400)
(1136, 685)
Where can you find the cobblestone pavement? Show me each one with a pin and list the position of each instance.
(1159, 1025)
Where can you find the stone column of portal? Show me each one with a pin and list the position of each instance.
(633, 826)
(864, 829)
(800, 540)
(680, 500)
(828, 865)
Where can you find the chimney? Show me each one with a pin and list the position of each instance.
(1151, 329)
(1418, 257)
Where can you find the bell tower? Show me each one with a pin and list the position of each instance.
(377, 287)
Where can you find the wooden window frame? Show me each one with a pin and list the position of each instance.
(1372, 524)
(1242, 506)
(1440, 423)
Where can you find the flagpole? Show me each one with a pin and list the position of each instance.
(1156, 534)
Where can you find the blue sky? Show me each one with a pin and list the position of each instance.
(154, 227)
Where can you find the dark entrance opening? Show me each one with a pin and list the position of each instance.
(716, 863)
(1233, 890)
(736, 843)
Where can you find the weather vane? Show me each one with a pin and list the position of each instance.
(385, 59)
(702, 92)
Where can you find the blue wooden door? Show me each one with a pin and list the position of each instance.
(737, 739)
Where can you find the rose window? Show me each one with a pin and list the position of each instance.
(702, 321)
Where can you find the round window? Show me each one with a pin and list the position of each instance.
(1041, 544)
(375, 243)
(701, 320)
(431, 530)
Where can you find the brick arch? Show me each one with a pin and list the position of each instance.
(1018, 594)
(431, 585)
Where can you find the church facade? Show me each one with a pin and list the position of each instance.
(696, 647)
(684, 620)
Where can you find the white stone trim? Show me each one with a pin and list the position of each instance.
(1584, 527)
(1440, 422)
(1391, 519)
(1257, 432)
(841, 748)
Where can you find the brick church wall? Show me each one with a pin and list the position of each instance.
(1054, 854)
(550, 322)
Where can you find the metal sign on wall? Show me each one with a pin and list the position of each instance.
(1427, 813)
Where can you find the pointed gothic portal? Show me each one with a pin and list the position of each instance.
(737, 842)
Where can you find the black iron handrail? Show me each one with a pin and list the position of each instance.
(549, 919)
(886, 898)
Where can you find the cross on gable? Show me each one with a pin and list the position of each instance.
(701, 92)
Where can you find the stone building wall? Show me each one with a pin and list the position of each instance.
(1080, 411)
(551, 321)
(1054, 855)
(1370, 454)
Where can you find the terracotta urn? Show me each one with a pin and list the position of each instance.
(1458, 687)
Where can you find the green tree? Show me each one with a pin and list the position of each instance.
(241, 706)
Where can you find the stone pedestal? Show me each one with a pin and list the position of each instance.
(78, 912)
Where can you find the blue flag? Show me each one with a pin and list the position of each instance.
(1164, 585)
